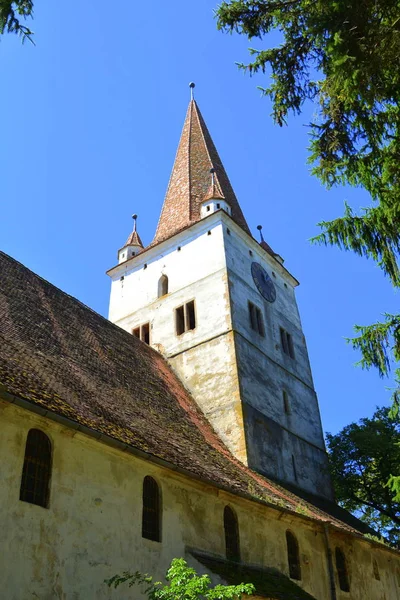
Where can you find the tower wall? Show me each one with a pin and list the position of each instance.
(204, 357)
(283, 440)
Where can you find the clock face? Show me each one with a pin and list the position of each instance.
(263, 281)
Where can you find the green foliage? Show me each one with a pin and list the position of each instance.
(343, 56)
(183, 584)
(363, 457)
(10, 14)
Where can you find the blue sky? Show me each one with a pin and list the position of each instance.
(91, 118)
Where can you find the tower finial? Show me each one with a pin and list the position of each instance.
(192, 86)
(134, 217)
(259, 227)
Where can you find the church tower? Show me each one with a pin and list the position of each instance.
(221, 307)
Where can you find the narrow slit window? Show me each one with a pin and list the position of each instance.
(287, 342)
(293, 556)
(290, 345)
(294, 468)
(190, 315)
(151, 513)
(231, 529)
(256, 319)
(286, 405)
(145, 333)
(136, 332)
(341, 568)
(36, 472)
(162, 286)
(180, 320)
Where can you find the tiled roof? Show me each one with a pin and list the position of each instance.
(60, 355)
(134, 240)
(190, 179)
(269, 583)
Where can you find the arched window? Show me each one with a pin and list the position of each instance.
(231, 528)
(162, 286)
(341, 569)
(151, 515)
(36, 472)
(293, 556)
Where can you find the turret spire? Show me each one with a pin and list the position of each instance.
(189, 184)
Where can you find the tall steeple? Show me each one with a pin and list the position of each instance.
(189, 184)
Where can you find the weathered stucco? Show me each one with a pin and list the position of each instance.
(232, 371)
(92, 528)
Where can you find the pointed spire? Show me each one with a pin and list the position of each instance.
(190, 179)
(134, 238)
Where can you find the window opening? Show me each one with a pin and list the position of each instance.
(208, 208)
(231, 529)
(208, 232)
(180, 320)
(228, 231)
(293, 556)
(151, 514)
(286, 405)
(145, 333)
(190, 315)
(162, 286)
(341, 569)
(36, 471)
(294, 468)
(185, 318)
(256, 319)
(287, 343)
(218, 205)
(142, 332)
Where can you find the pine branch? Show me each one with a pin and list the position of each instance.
(374, 235)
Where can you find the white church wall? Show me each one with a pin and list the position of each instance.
(186, 259)
(92, 528)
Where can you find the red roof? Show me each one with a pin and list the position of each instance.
(191, 179)
(57, 354)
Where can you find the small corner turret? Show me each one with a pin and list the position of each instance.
(132, 246)
(214, 199)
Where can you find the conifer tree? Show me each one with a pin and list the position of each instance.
(344, 57)
(11, 13)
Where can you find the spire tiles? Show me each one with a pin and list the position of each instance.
(189, 183)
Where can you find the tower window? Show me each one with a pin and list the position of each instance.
(286, 405)
(287, 343)
(231, 528)
(162, 286)
(36, 472)
(208, 208)
(293, 556)
(218, 205)
(142, 332)
(341, 569)
(294, 468)
(151, 512)
(256, 319)
(185, 318)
